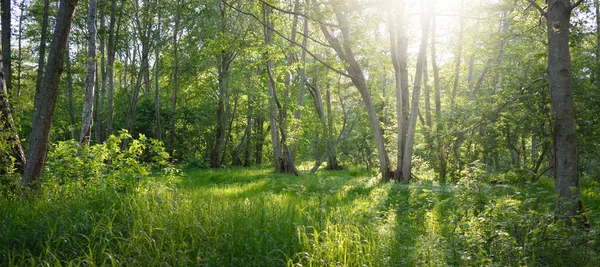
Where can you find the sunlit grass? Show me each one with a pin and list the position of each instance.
(253, 217)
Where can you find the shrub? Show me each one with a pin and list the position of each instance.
(72, 167)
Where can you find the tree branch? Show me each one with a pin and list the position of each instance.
(538, 7)
(573, 6)
(298, 14)
(289, 40)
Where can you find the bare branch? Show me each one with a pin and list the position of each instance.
(289, 40)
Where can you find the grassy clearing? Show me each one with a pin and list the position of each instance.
(252, 217)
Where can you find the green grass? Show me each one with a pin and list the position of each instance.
(253, 217)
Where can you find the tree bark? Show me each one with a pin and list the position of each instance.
(71, 101)
(282, 157)
(7, 124)
(6, 36)
(175, 77)
(90, 79)
(46, 99)
(42, 55)
(100, 97)
(112, 44)
(272, 92)
(410, 135)
(566, 179)
(225, 59)
(20, 66)
(156, 77)
(597, 9)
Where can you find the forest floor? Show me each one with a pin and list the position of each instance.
(253, 217)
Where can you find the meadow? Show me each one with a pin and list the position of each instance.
(253, 217)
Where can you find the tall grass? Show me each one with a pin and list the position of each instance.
(252, 217)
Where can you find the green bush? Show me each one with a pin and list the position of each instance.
(73, 167)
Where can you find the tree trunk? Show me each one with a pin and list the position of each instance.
(597, 8)
(441, 158)
(20, 66)
(42, 55)
(566, 177)
(272, 92)
(398, 44)
(6, 36)
(259, 134)
(282, 157)
(71, 101)
(7, 124)
(46, 99)
(156, 76)
(90, 79)
(100, 97)
(175, 78)
(459, 52)
(427, 96)
(112, 44)
(410, 135)
(225, 59)
(301, 91)
(344, 51)
(248, 134)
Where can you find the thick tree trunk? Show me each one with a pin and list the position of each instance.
(42, 55)
(6, 36)
(410, 135)
(566, 179)
(46, 99)
(8, 125)
(90, 79)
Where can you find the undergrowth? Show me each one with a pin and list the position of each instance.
(253, 217)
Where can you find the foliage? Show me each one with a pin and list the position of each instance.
(72, 166)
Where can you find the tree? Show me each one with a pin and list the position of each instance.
(45, 99)
(566, 177)
(343, 48)
(282, 157)
(8, 125)
(90, 78)
(410, 135)
(6, 36)
(42, 55)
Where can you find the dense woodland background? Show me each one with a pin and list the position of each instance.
(194, 75)
(410, 90)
